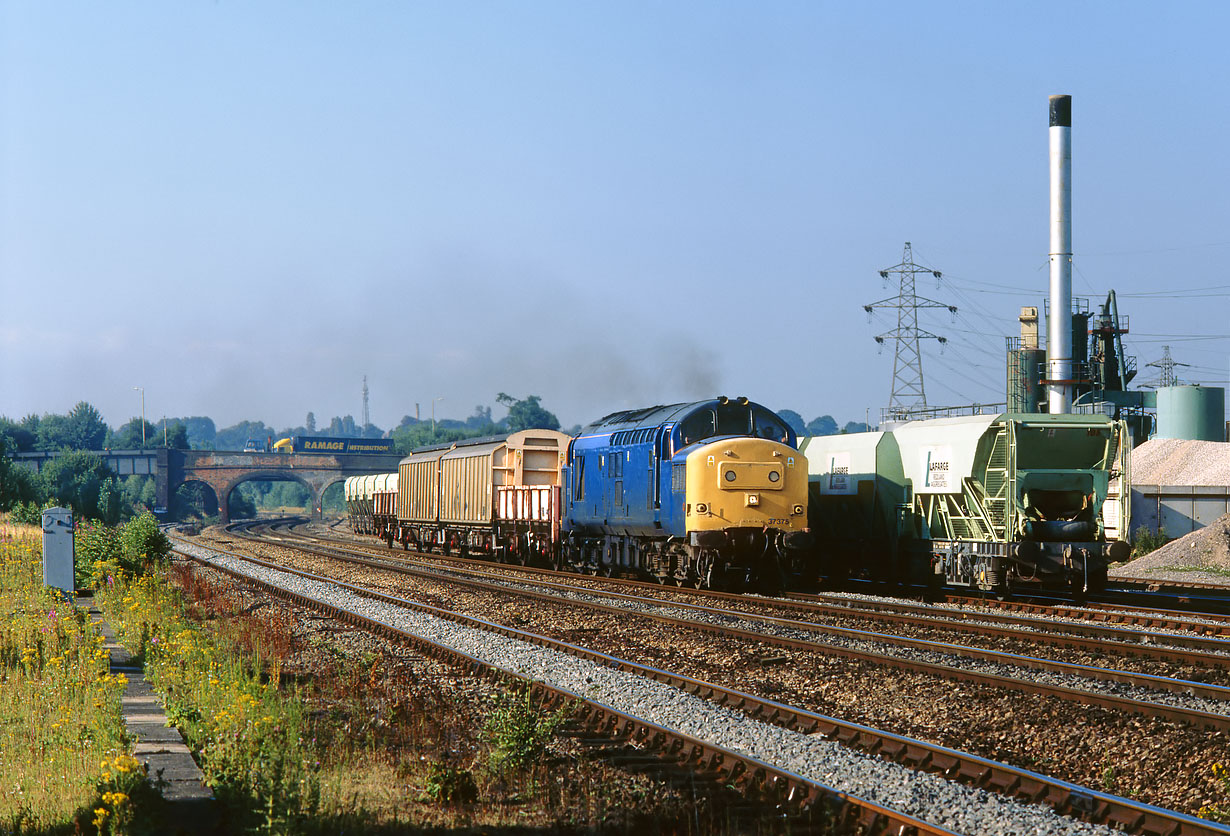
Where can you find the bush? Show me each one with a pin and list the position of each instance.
(451, 785)
(107, 554)
(29, 513)
(98, 554)
(1146, 541)
(144, 541)
(520, 730)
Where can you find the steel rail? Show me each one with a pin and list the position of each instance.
(1211, 624)
(1088, 636)
(751, 776)
(1064, 797)
(1132, 641)
(1176, 713)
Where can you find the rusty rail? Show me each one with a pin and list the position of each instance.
(845, 812)
(1063, 797)
(1126, 704)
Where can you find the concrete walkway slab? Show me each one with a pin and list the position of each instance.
(191, 808)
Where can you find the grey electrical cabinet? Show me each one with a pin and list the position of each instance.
(58, 549)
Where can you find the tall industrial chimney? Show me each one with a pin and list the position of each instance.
(1059, 323)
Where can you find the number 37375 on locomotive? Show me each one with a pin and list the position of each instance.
(711, 493)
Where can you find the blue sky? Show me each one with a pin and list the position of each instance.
(246, 207)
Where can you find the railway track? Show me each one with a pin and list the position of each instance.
(1183, 701)
(1154, 637)
(758, 772)
(1213, 621)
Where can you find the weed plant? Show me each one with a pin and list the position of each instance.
(64, 765)
(519, 728)
(1146, 541)
(248, 734)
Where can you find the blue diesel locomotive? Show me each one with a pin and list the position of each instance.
(710, 494)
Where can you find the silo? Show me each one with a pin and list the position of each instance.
(1026, 367)
(1191, 413)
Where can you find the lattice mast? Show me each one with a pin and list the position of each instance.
(908, 391)
(1166, 367)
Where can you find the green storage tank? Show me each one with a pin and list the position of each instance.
(1196, 413)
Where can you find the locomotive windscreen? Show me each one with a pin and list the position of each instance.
(733, 419)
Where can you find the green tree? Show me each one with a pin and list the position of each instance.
(343, 427)
(234, 438)
(794, 419)
(86, 428)
(82, 481)
(54, 433)
(17, 437)
(481, 421)
(139, 492)
(526, 414)
(201, 432)
(175, 436)
(130, 437)
(239, 506)
(824, 425)
(16, 482)
(412, 436)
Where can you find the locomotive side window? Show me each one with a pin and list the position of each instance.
(578, 476)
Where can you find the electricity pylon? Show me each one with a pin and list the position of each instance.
(908, 392)
(1167, 366)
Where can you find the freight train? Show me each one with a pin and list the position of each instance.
(722, 494)
(711, 494)
(992, 502)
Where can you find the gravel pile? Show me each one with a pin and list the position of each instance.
(1172, 461)
(927, 797)
(1204, 548)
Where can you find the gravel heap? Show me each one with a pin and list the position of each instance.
(1204, 548)
(1173, 461)
(924, 796)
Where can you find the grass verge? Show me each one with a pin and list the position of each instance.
(64, 763)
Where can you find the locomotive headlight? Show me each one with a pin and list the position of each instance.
(730, 476)
(702, 508)
(774, 476)
(798, 510)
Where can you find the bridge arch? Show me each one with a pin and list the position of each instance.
(209, 495)
(314, 494)
(224, 471)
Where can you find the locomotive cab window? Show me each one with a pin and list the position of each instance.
(769, 426)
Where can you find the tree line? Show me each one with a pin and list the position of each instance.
(83, 481)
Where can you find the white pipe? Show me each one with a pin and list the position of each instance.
(1059, 323)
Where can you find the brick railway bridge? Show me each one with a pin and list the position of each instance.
(222, 471)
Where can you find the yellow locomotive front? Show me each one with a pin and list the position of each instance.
(746, 506)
